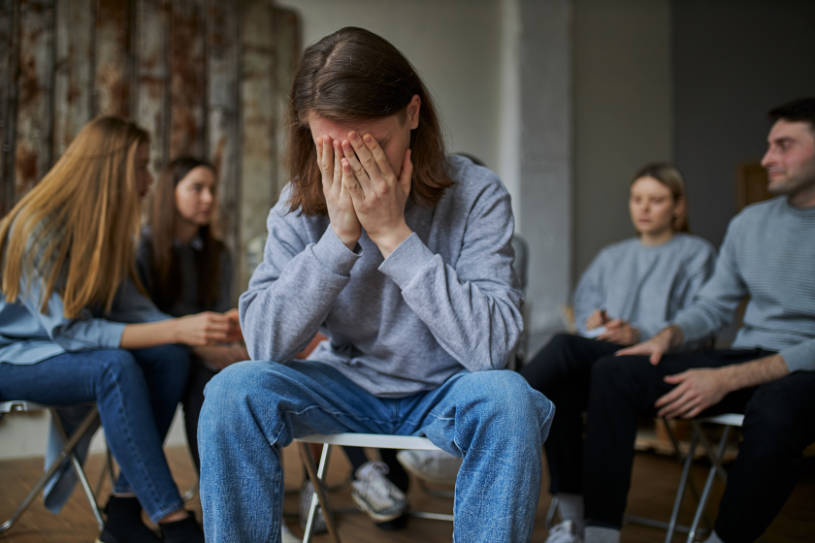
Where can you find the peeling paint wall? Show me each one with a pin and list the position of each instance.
(204, 77)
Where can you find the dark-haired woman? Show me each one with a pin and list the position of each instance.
(187, 269)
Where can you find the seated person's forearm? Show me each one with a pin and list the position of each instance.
(673, 334)
(755, 372)
(148, 334)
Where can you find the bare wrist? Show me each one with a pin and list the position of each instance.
(348, 239)
(675, 335)
(388, 242)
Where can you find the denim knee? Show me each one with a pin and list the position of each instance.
(119, 366)
(504, 397)
(227, 394)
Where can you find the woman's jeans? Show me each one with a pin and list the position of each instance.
(252, 409)
(136, 393)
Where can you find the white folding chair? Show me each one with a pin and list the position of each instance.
(715, 453)
(68, 452)
(317, 477)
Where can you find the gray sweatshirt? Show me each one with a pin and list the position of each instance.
(768, 254)
(644, 285)
(445, 300)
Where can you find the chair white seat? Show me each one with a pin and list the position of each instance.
(349, 439)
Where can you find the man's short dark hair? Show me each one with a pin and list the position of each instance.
(800, 110)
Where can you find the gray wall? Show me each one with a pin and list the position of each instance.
(732, 62)
(623, 112)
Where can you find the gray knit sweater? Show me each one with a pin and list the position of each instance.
(445, 300)
(645, 286)
(768, 254)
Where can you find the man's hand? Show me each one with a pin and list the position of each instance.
(341, 212)
(695, 391)
(596, 319)
(655, 347)
(620, 332)
(378, 195)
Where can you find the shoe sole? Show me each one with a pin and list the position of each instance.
(379, 517)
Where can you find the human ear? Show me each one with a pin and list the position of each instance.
(413, 108)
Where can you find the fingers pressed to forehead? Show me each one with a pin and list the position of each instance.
(337, 156)
(353, 162)
(376, 151)
(366, 159)
(349, 178)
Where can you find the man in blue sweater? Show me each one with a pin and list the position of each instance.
(402, 257)
(767, 255)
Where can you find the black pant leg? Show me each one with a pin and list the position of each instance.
(193, 400)
(561, 372)
(623, 388)
(779, 423)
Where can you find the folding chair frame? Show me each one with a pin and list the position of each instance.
(317, 477)
(715, 455)
(68, 452)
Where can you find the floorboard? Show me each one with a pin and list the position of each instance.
(654, 480)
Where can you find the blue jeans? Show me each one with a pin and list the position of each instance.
(493, 419)
(136, 393)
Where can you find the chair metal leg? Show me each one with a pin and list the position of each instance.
(680, 492)
(83, 479)
(317, 478)
(66, 451)
(709, 483)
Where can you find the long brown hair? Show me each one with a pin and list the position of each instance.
(162, 217)
(670, 176)
(76, 228)
(353, 74)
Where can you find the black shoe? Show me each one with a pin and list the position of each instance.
(124, 524)
(186, 530)
(399, 523)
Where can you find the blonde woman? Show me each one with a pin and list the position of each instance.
(628, 293)
(75, 326)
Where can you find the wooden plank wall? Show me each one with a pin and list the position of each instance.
(204, 77)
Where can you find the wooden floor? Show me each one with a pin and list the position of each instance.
(653, 484)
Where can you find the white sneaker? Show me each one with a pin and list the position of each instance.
(375, 494)
(432, 466)
(564, 532)
(286, 536)
(306, 492)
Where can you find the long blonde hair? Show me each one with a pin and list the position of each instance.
(75, 230)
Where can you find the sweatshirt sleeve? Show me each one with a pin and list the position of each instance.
(718, 299)
(589, 295)
(699, 268)
(292, 291)
(800, 357)
(472, 308)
